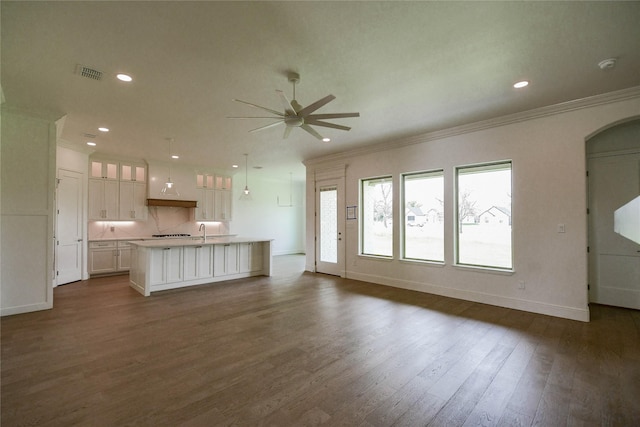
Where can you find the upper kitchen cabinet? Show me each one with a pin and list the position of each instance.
(222, 205)
(223, 182)
(117, 190)
(204, 180)
(133, 172)
(103, 200)
(104, 169)
(133, 197)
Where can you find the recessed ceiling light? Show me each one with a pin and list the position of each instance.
(175, 157)
(520, 85)
(124, 77)
(91, 143)
(234, 166)
(326, 139)
(103, 129)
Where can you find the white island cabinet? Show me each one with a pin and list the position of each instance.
(157, 265)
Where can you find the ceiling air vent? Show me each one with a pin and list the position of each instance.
(90, 135)
(88, 72)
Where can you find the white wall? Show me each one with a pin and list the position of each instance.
(27, 219)
(263, 217)
(549, 188)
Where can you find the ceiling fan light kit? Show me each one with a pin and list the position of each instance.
(295, 115)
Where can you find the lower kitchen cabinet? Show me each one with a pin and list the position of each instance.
(225, 259)
(175, 263)
(102, 257)
(198, 262)
(166, 265)
(250, 255)
(110, 257)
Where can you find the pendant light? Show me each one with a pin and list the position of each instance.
(169, 188)
(246, 193)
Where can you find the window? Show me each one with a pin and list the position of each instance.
(376, 225)
(484, 215)
(423, 227)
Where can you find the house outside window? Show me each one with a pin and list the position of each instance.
(376, 224)
(483, 231)
(423, 228)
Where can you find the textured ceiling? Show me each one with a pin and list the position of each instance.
(407, 67)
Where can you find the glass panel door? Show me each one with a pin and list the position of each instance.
(330, 226)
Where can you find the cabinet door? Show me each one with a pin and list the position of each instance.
(132, 200)
(133, 172)
(104, 169)
(102, 261)
(96, 199)
(225, 260)
(222, 205)
(198, 262)
(140, 209)
(204, 180)
(124, 259)
(257, 253)
(223, 182)
(174, 266)
(111, 202)
(166, 265)
(206, 205)
(250, 257)
(103, 199)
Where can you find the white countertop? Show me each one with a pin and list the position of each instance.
(132, 238)
(195, 241)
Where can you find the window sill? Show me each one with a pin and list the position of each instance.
(423, 262)
(376, 257)
(500, 271)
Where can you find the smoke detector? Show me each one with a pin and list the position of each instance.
(607, 64)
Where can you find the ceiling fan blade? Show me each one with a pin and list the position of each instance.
(326, 124)
(255, 117)
(312, 131)
(286, 104)
(332, 116)
(313, 107)
(266, 126)
(277, 113)
(287, 131)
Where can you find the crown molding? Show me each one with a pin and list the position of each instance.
(550, 110)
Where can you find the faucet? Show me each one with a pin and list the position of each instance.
(203, 228)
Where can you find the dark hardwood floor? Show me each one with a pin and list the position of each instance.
(306, 349)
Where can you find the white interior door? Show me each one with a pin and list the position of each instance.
(330, 226)
(69, 226)
(614, 260)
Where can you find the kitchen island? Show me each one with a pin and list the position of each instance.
(158, 265)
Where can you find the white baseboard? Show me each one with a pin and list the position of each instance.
(9, 311)
(573, 313)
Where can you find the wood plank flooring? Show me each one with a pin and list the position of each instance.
(306, 349)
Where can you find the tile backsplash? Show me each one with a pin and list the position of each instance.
(160, 220)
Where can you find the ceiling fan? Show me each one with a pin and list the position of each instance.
(295, 115)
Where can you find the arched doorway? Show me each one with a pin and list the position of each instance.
(613, 165)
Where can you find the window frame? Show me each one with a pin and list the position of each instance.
(362, 217)
(403, 249)
(479, 167)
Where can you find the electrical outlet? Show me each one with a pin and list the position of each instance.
(521, 284)
(113, 229)
(560, 228)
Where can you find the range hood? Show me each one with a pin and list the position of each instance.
(172, 203)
